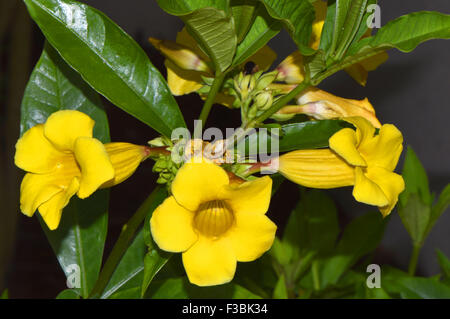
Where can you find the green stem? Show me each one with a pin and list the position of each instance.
(280, 103)
(119, 249)
(414, 259)
(315, 274)
(211, 97)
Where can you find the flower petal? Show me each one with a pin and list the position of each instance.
(251, 236)
(95, 165)
(51, 210)
(344, 143)
(390, 183)
(250, 197)
(181, 81)
(384, 149)
(291, 69)
(35, 153)
(171, 226)
(125, 158)
(35, 190)
(64, 127)
(364, 129)
(320, 168)
(197, 183)
(368, 191)
(210, 262)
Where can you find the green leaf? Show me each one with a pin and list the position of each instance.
(130, 271)
(296, 136)
(55, 86)
(360, 237)
(439, 208)
(80, 237)
(415, 216)
(422, 288)
(416, 180)
(404, 33)
(158, 195)
(154, 261)
(280, 291)
(183, 7)
(130, 293)
(68, 294)
(243, 15)
(444, 263)
(215, 34)
(261, 31)
(297, 16)
(109, 60)
(180, 288)
(349, 14)
(313, 224)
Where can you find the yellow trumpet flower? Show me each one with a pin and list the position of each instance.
(214, 223)
(62, 159)
(186, 63)
(322, 105)
(359, 158)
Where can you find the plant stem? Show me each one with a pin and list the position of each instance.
(414, 259)
(119, 249)
(211, 97)
(315, 274)
(280, 103)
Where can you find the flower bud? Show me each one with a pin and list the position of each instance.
(290, 70)
(266, 79)
(181, 55)
(264, 100)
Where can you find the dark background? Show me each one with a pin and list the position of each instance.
(410, 90)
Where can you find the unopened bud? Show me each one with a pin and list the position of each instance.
(266, 79)
(264, 100)
(181, 55)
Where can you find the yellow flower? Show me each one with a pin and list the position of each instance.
(214, 223)
(186, 63)
(358, 158)
(323, 105)
(291, 68)
(63, 159)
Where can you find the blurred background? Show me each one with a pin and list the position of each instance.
(410, 90)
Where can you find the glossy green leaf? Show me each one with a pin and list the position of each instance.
(109, 60)
(360, 237)
(261, 31)
(280, 291)
(297, 16)
(180, 288)
(215, 33)
(78, 242)
(404, 33)
(243, 15)
(130, 293)
(296, 136)
(313, 224)
(183, 7)
(154, 260)
(68, 294)
(130, 271)
(416, 180)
